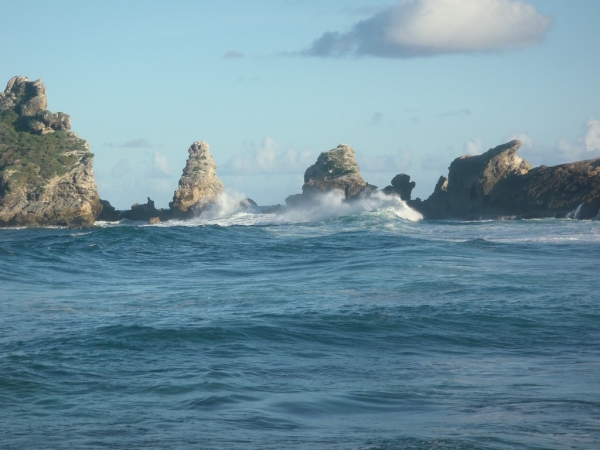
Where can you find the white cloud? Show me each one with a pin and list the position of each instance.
(413, 28)
(268, 158)
(526, 141)
(564, 151)
(592, 135)
(473, 147)
(160, 167)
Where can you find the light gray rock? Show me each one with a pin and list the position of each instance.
(199, 185)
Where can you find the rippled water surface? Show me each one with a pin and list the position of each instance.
(358, 331)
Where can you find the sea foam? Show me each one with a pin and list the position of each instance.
(227, 210)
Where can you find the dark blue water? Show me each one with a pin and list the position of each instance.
(363, 331)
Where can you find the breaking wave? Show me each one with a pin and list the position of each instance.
(228, 210)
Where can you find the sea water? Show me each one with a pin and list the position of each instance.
(334, 326)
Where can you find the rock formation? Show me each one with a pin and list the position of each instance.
(199, 186)
(401, 186)
(46, 175)
(335, 169)
(499, 184)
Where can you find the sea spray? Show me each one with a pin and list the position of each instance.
(228, 210)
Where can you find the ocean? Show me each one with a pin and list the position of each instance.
(333, 327)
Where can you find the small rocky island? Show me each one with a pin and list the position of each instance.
(46, 178)
(46, 175)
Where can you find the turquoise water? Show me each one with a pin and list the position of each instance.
(332, 329)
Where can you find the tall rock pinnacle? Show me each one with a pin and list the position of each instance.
(199, 185)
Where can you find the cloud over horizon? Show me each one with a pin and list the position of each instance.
(417, 28)
(159, 166)
(269, 158)
(586, 146)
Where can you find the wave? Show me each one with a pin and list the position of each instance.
(226, 211)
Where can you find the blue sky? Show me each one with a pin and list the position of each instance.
(410, 84)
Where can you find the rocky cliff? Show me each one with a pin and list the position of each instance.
(46, 175)
(334, 169)
(199, 185)
(499, 184)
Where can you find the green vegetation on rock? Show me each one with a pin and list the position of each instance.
(30, 160)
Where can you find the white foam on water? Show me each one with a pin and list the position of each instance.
(227, 210)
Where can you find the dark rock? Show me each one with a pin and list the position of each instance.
(401, 186)
(109, 213)
(146, 212)
(248, 203)
(499, 184)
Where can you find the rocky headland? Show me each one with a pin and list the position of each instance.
(498, 184)
(46, 178)
(46, 174)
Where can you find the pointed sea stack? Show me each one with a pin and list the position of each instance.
(46, 175)
(199, 185)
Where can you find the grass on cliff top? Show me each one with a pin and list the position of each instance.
(35, 159)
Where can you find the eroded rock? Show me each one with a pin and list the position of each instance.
(46, 178)
(199, 185)
(499, 184)
(335, 169)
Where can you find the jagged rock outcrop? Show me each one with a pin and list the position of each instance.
(401, 186)
(499, 184)
(334, 169)
(46, 174)
(199, 185)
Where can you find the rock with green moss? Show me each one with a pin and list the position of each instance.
(199, 185)
(46, 174)
(335, 169)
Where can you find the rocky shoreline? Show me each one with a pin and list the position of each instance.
(46, 178)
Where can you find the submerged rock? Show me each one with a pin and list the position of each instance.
(499, 184)
(199, 185)
(46, 174)
(335, 169)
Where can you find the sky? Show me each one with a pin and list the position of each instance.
(269, 84)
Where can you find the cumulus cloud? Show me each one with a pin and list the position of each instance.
(414, 28)
(269, 158)
(233, 54)
(586, 146)
(473, 147)
(137, 143)
(592, 136)
(159, 166)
